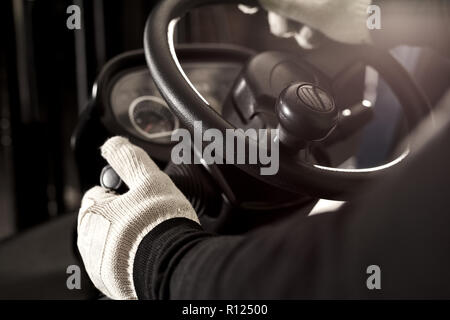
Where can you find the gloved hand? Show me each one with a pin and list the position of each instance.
(111, 226)
(340, 20)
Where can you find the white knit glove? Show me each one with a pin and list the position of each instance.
(111, 226)
(340, 20)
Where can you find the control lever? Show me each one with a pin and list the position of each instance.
(110, 180)
(192, 180)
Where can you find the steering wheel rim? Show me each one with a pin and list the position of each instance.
(189, 106)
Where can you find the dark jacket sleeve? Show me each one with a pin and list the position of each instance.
(414, 22)
(401, 225)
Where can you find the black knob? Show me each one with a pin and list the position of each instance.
(306, 113)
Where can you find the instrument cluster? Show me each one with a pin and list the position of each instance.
(142, 112)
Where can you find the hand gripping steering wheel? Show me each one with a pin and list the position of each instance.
(293, 175)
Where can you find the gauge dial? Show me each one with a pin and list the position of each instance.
(151, 117)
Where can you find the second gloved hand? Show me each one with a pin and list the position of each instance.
(111, 226)
(340, 20)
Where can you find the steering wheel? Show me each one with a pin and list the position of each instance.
(293, 175)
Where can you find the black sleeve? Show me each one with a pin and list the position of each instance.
(414, 22)
(401, 225)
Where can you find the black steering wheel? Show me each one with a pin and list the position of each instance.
(293, 174)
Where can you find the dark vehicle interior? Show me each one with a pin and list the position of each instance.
(65, 92)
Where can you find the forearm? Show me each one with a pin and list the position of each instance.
(414, 22)
(293, 259)
(159, 254)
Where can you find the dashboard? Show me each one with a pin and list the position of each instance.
(140, 110)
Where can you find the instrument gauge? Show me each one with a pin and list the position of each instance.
(152, 118)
